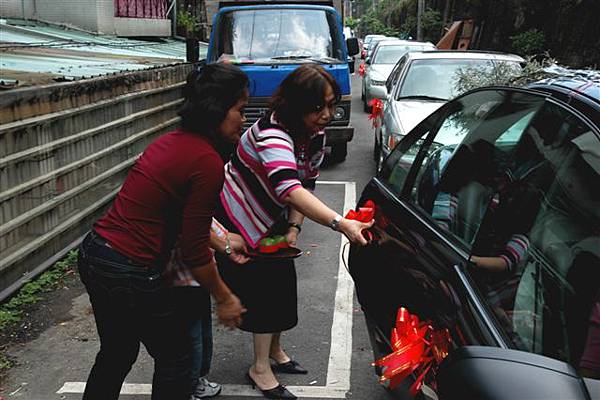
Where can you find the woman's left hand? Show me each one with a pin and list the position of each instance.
(238, 249)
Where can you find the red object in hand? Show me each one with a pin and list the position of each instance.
(418, 348)
(364, 214)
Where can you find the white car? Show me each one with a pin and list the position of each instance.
(419, 84)
(380, 64)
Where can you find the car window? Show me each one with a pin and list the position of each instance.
(449, 173)
(438, 77)
(542, 226)
(395, 75)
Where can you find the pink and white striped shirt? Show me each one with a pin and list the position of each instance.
(265, 168)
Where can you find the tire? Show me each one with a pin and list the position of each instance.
(339, 152)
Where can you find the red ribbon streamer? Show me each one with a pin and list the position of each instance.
(418, 348)
(362, 70)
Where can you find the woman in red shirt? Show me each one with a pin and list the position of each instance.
(169, 195)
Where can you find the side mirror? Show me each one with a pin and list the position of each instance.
(352, 45)
(476, 372)
(368, 61)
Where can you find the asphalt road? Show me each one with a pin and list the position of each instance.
(330, 340)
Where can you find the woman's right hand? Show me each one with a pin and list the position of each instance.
(230, 310)
(353, 230)
(239, 250)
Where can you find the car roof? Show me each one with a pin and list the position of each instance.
(466, 55)
(581, 93)
(396, 42)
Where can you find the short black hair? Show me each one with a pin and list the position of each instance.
(301, 93)
(209, 93)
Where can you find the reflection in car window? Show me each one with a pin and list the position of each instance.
(437, 77)
(543, 224)
(454, 177)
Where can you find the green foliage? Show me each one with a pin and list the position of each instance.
(12, 311)
(528, 43)
(372, 25)
(351, 22)
(187, 21)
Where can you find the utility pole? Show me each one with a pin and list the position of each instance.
(420, 9)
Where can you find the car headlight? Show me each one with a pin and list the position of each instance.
(339, 113)
(377, 83)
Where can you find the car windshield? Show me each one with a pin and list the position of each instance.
(437, 78)
(278, 34)
(391, 54)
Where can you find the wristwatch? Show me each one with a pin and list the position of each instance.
(335, 223)
(227, 246)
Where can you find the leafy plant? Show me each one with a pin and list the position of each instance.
(528, 43)
(12, 311)
(187, 22)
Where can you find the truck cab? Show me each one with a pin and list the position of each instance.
(268, 41)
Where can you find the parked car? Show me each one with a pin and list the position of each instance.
(374, 43)
(420, 83)
(487, 225)
(386, 54)
(367, 43)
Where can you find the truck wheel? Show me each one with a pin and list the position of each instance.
(338, 152)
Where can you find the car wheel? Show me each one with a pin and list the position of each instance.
(362, 93)
(338, 152)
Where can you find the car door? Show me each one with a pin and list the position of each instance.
(419, 261)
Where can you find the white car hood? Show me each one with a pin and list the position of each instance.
(411, 112)
(380, 71)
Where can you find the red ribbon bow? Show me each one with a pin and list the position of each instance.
(365, 213)
(376, 111)
(362, 69)
(418, 348)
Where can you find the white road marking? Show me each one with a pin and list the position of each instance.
(340, 356)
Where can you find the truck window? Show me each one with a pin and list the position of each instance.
(284, 33)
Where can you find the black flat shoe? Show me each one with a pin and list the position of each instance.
(278, 392)
(290, 367)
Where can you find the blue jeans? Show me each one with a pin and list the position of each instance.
(202, 339)
(133, 304)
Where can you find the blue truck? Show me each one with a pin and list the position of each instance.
(268, 40)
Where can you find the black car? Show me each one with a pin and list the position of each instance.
(495, 240)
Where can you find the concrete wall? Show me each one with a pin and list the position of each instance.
(91, 15)
(65, 149)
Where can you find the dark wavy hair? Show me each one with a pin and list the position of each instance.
(301, 93)
(209, 93)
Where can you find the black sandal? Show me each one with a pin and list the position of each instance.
(290, 367)
(278, 392)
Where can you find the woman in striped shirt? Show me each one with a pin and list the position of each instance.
(267, 191)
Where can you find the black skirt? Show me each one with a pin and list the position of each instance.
(266, 288)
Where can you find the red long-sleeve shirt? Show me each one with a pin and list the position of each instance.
(170, 192)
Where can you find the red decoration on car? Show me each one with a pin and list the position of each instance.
(376, 111)
(418, 348)
(362, 69)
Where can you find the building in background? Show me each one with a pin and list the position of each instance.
(113, 17)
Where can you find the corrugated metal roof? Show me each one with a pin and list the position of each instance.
(34, 53)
